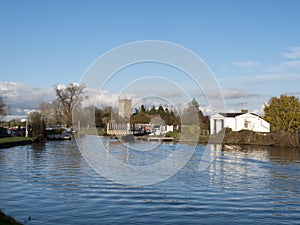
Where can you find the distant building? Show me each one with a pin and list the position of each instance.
(161, 129)
(237, 122)
(118, 129)
(125, 108)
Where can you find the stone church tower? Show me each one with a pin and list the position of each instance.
(125, 108)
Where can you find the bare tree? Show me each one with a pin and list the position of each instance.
(67, 98)
(51, 112)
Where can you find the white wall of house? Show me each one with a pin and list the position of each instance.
(169, 128)
(162, 129)
(252, 122)
(230, 122)
(246, 121)
(217, 122)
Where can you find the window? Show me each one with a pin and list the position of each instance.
(246, 123)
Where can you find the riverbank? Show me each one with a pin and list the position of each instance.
(14, 141)
(275, 139)
(8, 220)
(243, 137)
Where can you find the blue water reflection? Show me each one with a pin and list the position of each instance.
(53, 184)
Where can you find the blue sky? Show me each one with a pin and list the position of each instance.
(253, 47)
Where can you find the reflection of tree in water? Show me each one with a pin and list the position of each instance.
(285, 177)
(37, 154)
(59, 160)
(67, 156)
(285, 155)
(278, 155)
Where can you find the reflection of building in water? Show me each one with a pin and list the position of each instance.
(125, 108)
(233, 167)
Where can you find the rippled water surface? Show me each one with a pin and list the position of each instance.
(53, 184)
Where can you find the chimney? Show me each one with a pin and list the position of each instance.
(244, 110)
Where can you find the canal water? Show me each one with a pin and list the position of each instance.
(52, 184)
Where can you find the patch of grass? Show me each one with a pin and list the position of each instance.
(203, 139)
(92, 132)
(14, 139)
(102, 133)
(174, 134)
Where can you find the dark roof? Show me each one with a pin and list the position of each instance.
(256, 115)
(236, 114)
(231, 114)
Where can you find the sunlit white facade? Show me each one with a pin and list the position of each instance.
(237, 122)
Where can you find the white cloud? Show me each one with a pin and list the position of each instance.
(236, 94)
(244, 82)
(276, 77)
(232, 93)
(259, 111)
(247, 64)
(255, 82)
(296, 93)
(292, 64)
(287, 69)
(99, 98)
(22, 98)
(292, 53)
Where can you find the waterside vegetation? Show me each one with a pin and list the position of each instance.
(283, 114)
(14, 141)
(248, 137)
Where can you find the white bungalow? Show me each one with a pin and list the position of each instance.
(238, 121)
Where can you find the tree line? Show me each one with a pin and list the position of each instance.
(283, 113)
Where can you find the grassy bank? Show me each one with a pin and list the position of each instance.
(92, 132)
(14, 141)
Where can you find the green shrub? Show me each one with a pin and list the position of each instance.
(174, 134)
